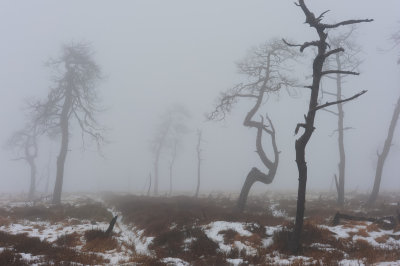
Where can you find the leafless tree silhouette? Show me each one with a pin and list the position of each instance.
(73, 97)
(388, 142)
(267, 70)
(324, 50)
(340, 61)
(168, 135)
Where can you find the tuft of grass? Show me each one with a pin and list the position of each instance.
(10, 257)
(21, 243)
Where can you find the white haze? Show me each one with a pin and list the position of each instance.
(157, 53)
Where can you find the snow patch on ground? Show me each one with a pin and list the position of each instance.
(277, 212)
(213, 230)
(175, 262)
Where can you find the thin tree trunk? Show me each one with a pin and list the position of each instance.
(148, 191)
(171, 166)
(170, 178)
(198, 162)
(155, 188)
(342, 155)
(32, 187)
(300, 146)
(64, 117)
(382, 157)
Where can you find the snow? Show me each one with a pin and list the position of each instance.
(131, 235)
(213, 230)
(276, 212)
(174, 261)
(388, 263)
(351, 263)
(342, 231)
(234, 262)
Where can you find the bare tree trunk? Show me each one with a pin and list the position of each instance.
(382, 157)
(302, 141)
(32, 187)
(301, 144)
(64, 147)
(171, 166)
(198, 162)
(342, 155)
(148, 191)
(156, 161)
(254, 175)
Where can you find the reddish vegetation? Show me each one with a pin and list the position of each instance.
(178, 227)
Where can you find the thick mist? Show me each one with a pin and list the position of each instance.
(155, 54)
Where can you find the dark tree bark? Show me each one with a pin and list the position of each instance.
(111, 226)
(383, 155)
(198, 151)
(302, 141)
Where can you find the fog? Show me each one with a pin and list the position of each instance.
(154, 54)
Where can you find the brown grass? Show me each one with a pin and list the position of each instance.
(21, 243)
(94, 211)
(156, 215)
(10, 257)
(69, 240)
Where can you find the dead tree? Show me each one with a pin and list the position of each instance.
(383, 155)
(24, 142)
(198, 152)
(174, 153)
(171, 128)
(267, 70)
(73, 97)
(148, 190)
(323, 52)
(341, 61)
(388, 142)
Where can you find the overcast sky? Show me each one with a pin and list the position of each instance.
(157, 53)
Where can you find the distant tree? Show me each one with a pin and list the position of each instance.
(24, 142)
(73, 96)
(168, 134)
(322, 54)
(267, 70)
(388, 142)
(198, 152)
(340, 61)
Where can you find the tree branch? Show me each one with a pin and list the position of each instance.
(346, 22)
(334, 51)
(336, 102)
(327, 72)
(302, 46)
